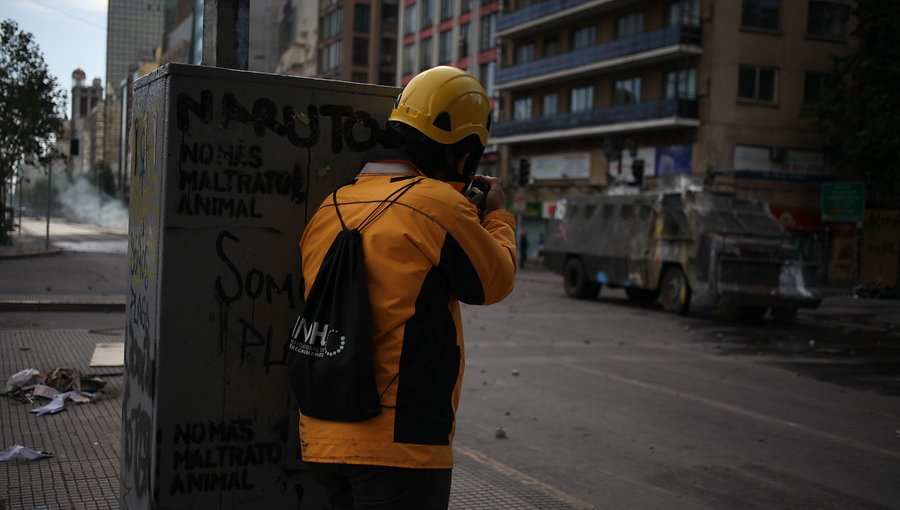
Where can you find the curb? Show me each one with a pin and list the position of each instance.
(51, 305)
(29, 254)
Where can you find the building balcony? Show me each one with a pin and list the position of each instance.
(549, 13)
(635, 117)
(668, 43)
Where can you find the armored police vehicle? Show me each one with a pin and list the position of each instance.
(688, 248)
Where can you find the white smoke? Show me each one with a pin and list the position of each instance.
(82, 202)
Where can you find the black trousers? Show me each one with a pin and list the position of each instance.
(352, 487)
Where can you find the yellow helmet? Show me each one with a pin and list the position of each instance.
(445, 104)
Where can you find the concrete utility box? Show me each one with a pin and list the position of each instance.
(226, 168)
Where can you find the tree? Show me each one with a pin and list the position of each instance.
(859, 113)
(30, 107)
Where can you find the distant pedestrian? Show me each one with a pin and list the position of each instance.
(523, 249)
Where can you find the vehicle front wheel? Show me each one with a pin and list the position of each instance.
(576, 281)
(675, 293)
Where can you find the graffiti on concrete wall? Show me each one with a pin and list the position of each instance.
(255, 286)
(225, 179)
(140, 359)
(216, 456)
(243, 172)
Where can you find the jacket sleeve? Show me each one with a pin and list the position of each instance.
(479, 258)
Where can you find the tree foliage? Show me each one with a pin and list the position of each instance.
(860, 109)
(30, 105)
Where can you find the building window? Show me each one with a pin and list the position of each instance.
(584, 37)
(425, 54)
(487, 32)
(446, 9)
(361, 14)
(761, 14)
(427, 13)
(685, 13)
(550, 105)
(681, 84)
(408, 59)
(464, 40)
(757, 84)
(410, 21)
(360, 77)
(330, 24)
(465, 5)
(83, 107)
(330, 56)
(582, 99)
(445, 47)
(388, 51)
(360, 51)
(551, 46)
(813, 85)
(525, 53)
(630, 25)
(627, 91)
(388, 13)
(522, 109)
(486, 75)
(827, 20)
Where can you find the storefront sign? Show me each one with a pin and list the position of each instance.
(843, 201)
(573, 165)
(797, 218)
(778, 163)
(673, 159)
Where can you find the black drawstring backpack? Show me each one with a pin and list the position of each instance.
(330, 358)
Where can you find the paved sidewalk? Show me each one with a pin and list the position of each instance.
(85, 440)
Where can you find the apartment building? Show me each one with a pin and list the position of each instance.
(683, 87)
(84, 99)
(133, 31)
(357, 40)
(459, 33)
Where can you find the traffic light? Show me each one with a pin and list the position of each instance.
(524, 172)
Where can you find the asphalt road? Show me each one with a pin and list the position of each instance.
(625, 406)
(611, 405)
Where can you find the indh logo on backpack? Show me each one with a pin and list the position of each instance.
(304, 339)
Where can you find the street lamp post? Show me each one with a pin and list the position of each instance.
(49, 199)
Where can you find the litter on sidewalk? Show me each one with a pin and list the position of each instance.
(21, 379)
(18, 451)
(58, 386)
(110, 354)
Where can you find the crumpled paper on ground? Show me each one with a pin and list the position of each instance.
(21, 379)
(58, 402)
(23, 452)
(59, 385)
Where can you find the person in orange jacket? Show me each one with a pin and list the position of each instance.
(428, 251)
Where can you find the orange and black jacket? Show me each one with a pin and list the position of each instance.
(423, 255)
